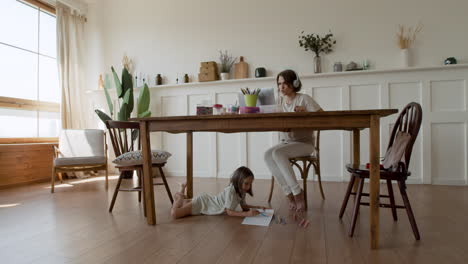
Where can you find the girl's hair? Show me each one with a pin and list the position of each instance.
(238, 177)
(289, 77)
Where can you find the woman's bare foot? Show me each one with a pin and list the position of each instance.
(300, 203)
(292, 202)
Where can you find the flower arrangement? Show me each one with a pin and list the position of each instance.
(226, 61)
(407, 36)
(316, 43)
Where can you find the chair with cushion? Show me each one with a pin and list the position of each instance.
(307, 161)
(124, 136)
(79, 150)
(395, 167)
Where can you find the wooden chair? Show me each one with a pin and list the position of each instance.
(408, 121)
(123, 135)
(307, 161)
(79, 150)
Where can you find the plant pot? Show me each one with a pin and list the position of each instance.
(317, 64)
(405, 58)
(224, 76)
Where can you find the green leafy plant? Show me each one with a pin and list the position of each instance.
(316, 43)
(226, 61)
(125, 98)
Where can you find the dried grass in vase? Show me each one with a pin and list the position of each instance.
(407, 36)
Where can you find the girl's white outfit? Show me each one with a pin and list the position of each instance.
(216, 204)
(296, 143)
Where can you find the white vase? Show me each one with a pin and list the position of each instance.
(225, 76)
(405, 58)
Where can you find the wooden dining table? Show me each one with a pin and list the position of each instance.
(352, 120)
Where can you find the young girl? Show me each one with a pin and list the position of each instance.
(295, 143)
(226, 201)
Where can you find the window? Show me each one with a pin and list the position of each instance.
(29, 88)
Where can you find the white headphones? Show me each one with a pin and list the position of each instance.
(297, 82)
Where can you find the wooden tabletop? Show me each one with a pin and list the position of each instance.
(379, 112)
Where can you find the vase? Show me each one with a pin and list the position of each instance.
(225, 76)
(405, 59)
(317, 64)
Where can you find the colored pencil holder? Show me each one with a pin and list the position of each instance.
(250, 100)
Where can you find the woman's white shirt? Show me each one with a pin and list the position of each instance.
(301, 134)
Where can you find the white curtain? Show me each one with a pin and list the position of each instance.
(70, 29)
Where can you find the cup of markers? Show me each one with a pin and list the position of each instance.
(250, 96)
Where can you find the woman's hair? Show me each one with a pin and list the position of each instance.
(289, 77)
(238, 177)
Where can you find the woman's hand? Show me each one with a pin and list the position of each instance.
(263, 207)
(252, 212)
(300, 109)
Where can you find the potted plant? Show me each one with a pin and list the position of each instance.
(318, 45)
(125, 100)
(405, 39)
(226, 62)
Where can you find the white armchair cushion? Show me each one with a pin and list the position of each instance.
(79, 161)
(135, 158)
(81, 143)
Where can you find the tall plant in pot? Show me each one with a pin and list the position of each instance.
(318, 45)
(226, 61)
(125, 100)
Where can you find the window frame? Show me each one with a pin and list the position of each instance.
(26, 104)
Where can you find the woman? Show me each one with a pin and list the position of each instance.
(295, 143)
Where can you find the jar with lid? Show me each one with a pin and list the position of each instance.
(337, 67)
(217, 109)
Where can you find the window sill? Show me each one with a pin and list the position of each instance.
(28, 140)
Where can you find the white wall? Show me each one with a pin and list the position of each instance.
(173, 36)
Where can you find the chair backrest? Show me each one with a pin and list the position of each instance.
(124, 136)
(82, 143)
(408, 121)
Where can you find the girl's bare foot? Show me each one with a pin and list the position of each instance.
(178, 200)
(182, 187)
(300, 203)
(292, 202)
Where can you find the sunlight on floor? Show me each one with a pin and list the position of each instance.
(8, 205)
(70, 183)
(63, 185)
(94, 179)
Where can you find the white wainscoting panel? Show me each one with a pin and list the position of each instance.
(230, 147)
(449, 153)
(174, 106)
(448, 96)
(439, 154)
(203, 143)
(364, 96)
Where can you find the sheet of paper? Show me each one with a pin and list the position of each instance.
(262, 219)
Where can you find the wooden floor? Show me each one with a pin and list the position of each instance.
(73, 226)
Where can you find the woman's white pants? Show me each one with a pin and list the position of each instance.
(277, 160)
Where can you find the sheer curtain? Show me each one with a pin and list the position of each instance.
(70, 29)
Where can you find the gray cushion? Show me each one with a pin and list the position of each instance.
(79, 161)
(135, 158)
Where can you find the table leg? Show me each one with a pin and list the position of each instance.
(374, 153)
(189, 164)
(147, 173)
(356, 152)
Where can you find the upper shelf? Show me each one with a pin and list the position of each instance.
(314, 76)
